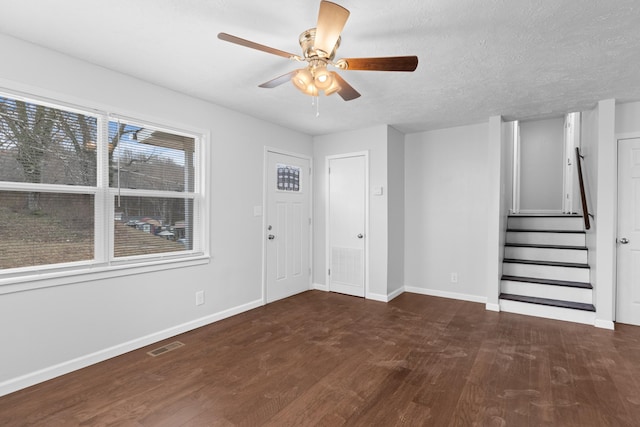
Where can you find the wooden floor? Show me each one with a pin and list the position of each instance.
(328, 359)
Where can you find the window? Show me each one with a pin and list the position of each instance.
(82, 189)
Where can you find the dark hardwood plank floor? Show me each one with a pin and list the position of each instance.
(330, 360)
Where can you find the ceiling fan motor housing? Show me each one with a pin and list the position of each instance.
(307, 43)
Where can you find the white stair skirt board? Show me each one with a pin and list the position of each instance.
(563, 293)
(568, 223)
(548, 312)
(553, 272)
(546, 254)
(549, 238)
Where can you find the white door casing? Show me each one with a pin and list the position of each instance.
(628, 241)
(346, 223)
(287, 225)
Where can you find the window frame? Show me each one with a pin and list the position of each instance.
(104, 263)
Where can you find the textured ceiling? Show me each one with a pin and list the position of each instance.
(516, 58)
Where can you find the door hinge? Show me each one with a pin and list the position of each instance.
(309, 221)
(309, 271)
(329, 171)
(329, 272)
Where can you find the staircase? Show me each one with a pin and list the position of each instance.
(545, 271)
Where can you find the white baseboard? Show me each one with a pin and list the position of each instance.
(385, 298)
(376, 297)
(604, 324)
(493, 307)
(395, 293)
(320, 287)
(51, 372)
(444, 294)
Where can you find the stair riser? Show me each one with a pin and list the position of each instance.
(566, 314)
(572, 274)
(563, 293)
(557, 239)
(546, 223)
(546, 254)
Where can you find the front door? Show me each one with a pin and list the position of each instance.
(628, 301)
(346, 224)
(288, 225)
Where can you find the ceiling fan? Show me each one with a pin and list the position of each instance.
(319, 47)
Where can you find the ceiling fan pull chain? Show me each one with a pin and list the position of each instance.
(317, 106)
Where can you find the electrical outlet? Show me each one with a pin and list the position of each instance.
(199, 297)
(454, 277)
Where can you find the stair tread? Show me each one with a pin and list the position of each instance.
(528, 230)
(567, 283)
(549, 302)
(533, 245)
(549, 263)
(542, 215)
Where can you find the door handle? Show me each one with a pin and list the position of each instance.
(271, 237)
(360, 236)
(624, 240)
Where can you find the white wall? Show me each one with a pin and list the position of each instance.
(541, 165)
(628, 119)
(446, 192)
(53, 330)
(373, 140)
(395, 171)
(589, 150)
(605, 213)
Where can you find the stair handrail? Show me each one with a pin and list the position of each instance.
(583, 195)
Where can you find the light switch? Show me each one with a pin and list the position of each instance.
(377, 191)
(257, 211)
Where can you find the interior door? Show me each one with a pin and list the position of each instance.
(288, 225)
(628, 301)
(346, 225)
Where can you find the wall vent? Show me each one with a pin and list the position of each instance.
(165, 348)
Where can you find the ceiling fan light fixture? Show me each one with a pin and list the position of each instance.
(322, 78)
(333, 87)
(303, 80)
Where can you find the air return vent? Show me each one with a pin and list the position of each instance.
(165, 348)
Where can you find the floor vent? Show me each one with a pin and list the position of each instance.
(165, 348)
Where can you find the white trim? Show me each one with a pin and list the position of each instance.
(54, 371)
(63, 277)
(605, 324)
(320, 287)
(265, 171)
(515, 184)
(364, 154)
(395, 294)
(492, 307)
(445, 294)
(376, 297)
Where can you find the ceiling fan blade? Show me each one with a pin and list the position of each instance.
(389, 63)
(346, 92)
(279, 80)
(331, 20)
(242, 42)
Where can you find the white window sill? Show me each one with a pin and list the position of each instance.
(47, 279)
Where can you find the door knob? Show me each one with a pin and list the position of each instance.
(271, 237)
(360, 236)
(624, 240)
